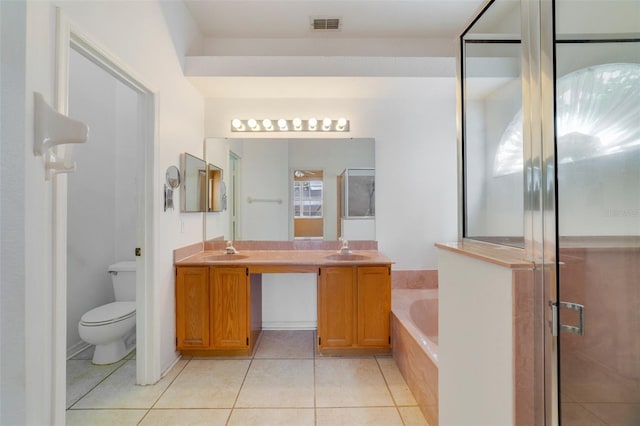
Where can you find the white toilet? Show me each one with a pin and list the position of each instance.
(112, 327)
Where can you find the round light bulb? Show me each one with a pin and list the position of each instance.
(236, 123)
(342, 122)
(282, 124)
(326, 122)
(297, 123)
(312, 123)
(252, 123)
(266, 123)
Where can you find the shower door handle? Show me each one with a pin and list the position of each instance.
(579, 329)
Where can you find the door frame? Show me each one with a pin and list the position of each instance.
(69, 36)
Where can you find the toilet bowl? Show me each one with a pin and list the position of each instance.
(112, 327)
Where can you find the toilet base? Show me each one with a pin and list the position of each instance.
(114, 351)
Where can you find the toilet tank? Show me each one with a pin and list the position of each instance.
(123, 276)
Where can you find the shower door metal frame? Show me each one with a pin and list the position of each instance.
(540, 194)
(539, 188)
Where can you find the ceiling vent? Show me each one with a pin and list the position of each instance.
(325, 24)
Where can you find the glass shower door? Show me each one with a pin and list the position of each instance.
(598, 185)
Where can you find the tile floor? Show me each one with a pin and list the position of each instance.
(284, 383)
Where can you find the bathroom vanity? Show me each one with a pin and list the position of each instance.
(219, 299)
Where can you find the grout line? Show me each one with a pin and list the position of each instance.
(97, 384)
(386, 382)
(314, 338)
(251, 359)
(165, 389)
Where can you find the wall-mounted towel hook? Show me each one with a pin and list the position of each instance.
(52, 129)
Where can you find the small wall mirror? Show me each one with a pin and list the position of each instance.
(173, 177)
(172, 181)
(194, 184)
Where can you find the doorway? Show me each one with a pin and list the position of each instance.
(232, 195)
(102, 200)
(141, 135)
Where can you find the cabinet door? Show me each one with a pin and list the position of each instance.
(192, 308)
(336, 291)
(229, 301)
(374, 306)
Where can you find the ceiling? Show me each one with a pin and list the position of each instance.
(269, 23)
(360, 18)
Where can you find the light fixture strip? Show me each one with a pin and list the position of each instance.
(293, 125)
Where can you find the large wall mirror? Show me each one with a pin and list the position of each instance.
(281, 189)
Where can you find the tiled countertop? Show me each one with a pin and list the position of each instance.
(508, 257)
(300, 260)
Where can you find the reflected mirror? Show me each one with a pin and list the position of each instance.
(194, 184)
(216, 194)
(262, 193)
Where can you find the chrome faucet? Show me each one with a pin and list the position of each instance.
(345, 248)
(230, 248)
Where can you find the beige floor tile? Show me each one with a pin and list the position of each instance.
(120, 390)
(365, 416)
(278, 383)
(82, 376)
(412, 416)
(350, 382)
(206, 384)
(396, 383)
(272, 417)
(616, 414)
(204, 417)
(286, 344)
(104, 417)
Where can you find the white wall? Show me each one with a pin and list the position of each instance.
(127, 30)
(415, 157)
(102, 200)
(475, 348)
(13, 214)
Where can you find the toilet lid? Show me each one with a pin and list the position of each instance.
(111, 312)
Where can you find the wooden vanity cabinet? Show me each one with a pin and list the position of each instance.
(230, 301)
(213, 310)
(193, 313)
(336, 307)
(374, 306)
(354, 309)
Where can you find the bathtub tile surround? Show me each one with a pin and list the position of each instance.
(369, 390)
(414, 331)
(419, 279)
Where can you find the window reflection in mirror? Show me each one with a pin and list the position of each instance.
(307, 204)
(491, 100)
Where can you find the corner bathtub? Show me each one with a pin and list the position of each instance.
(414, 322)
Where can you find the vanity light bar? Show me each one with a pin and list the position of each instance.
(293, 125)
